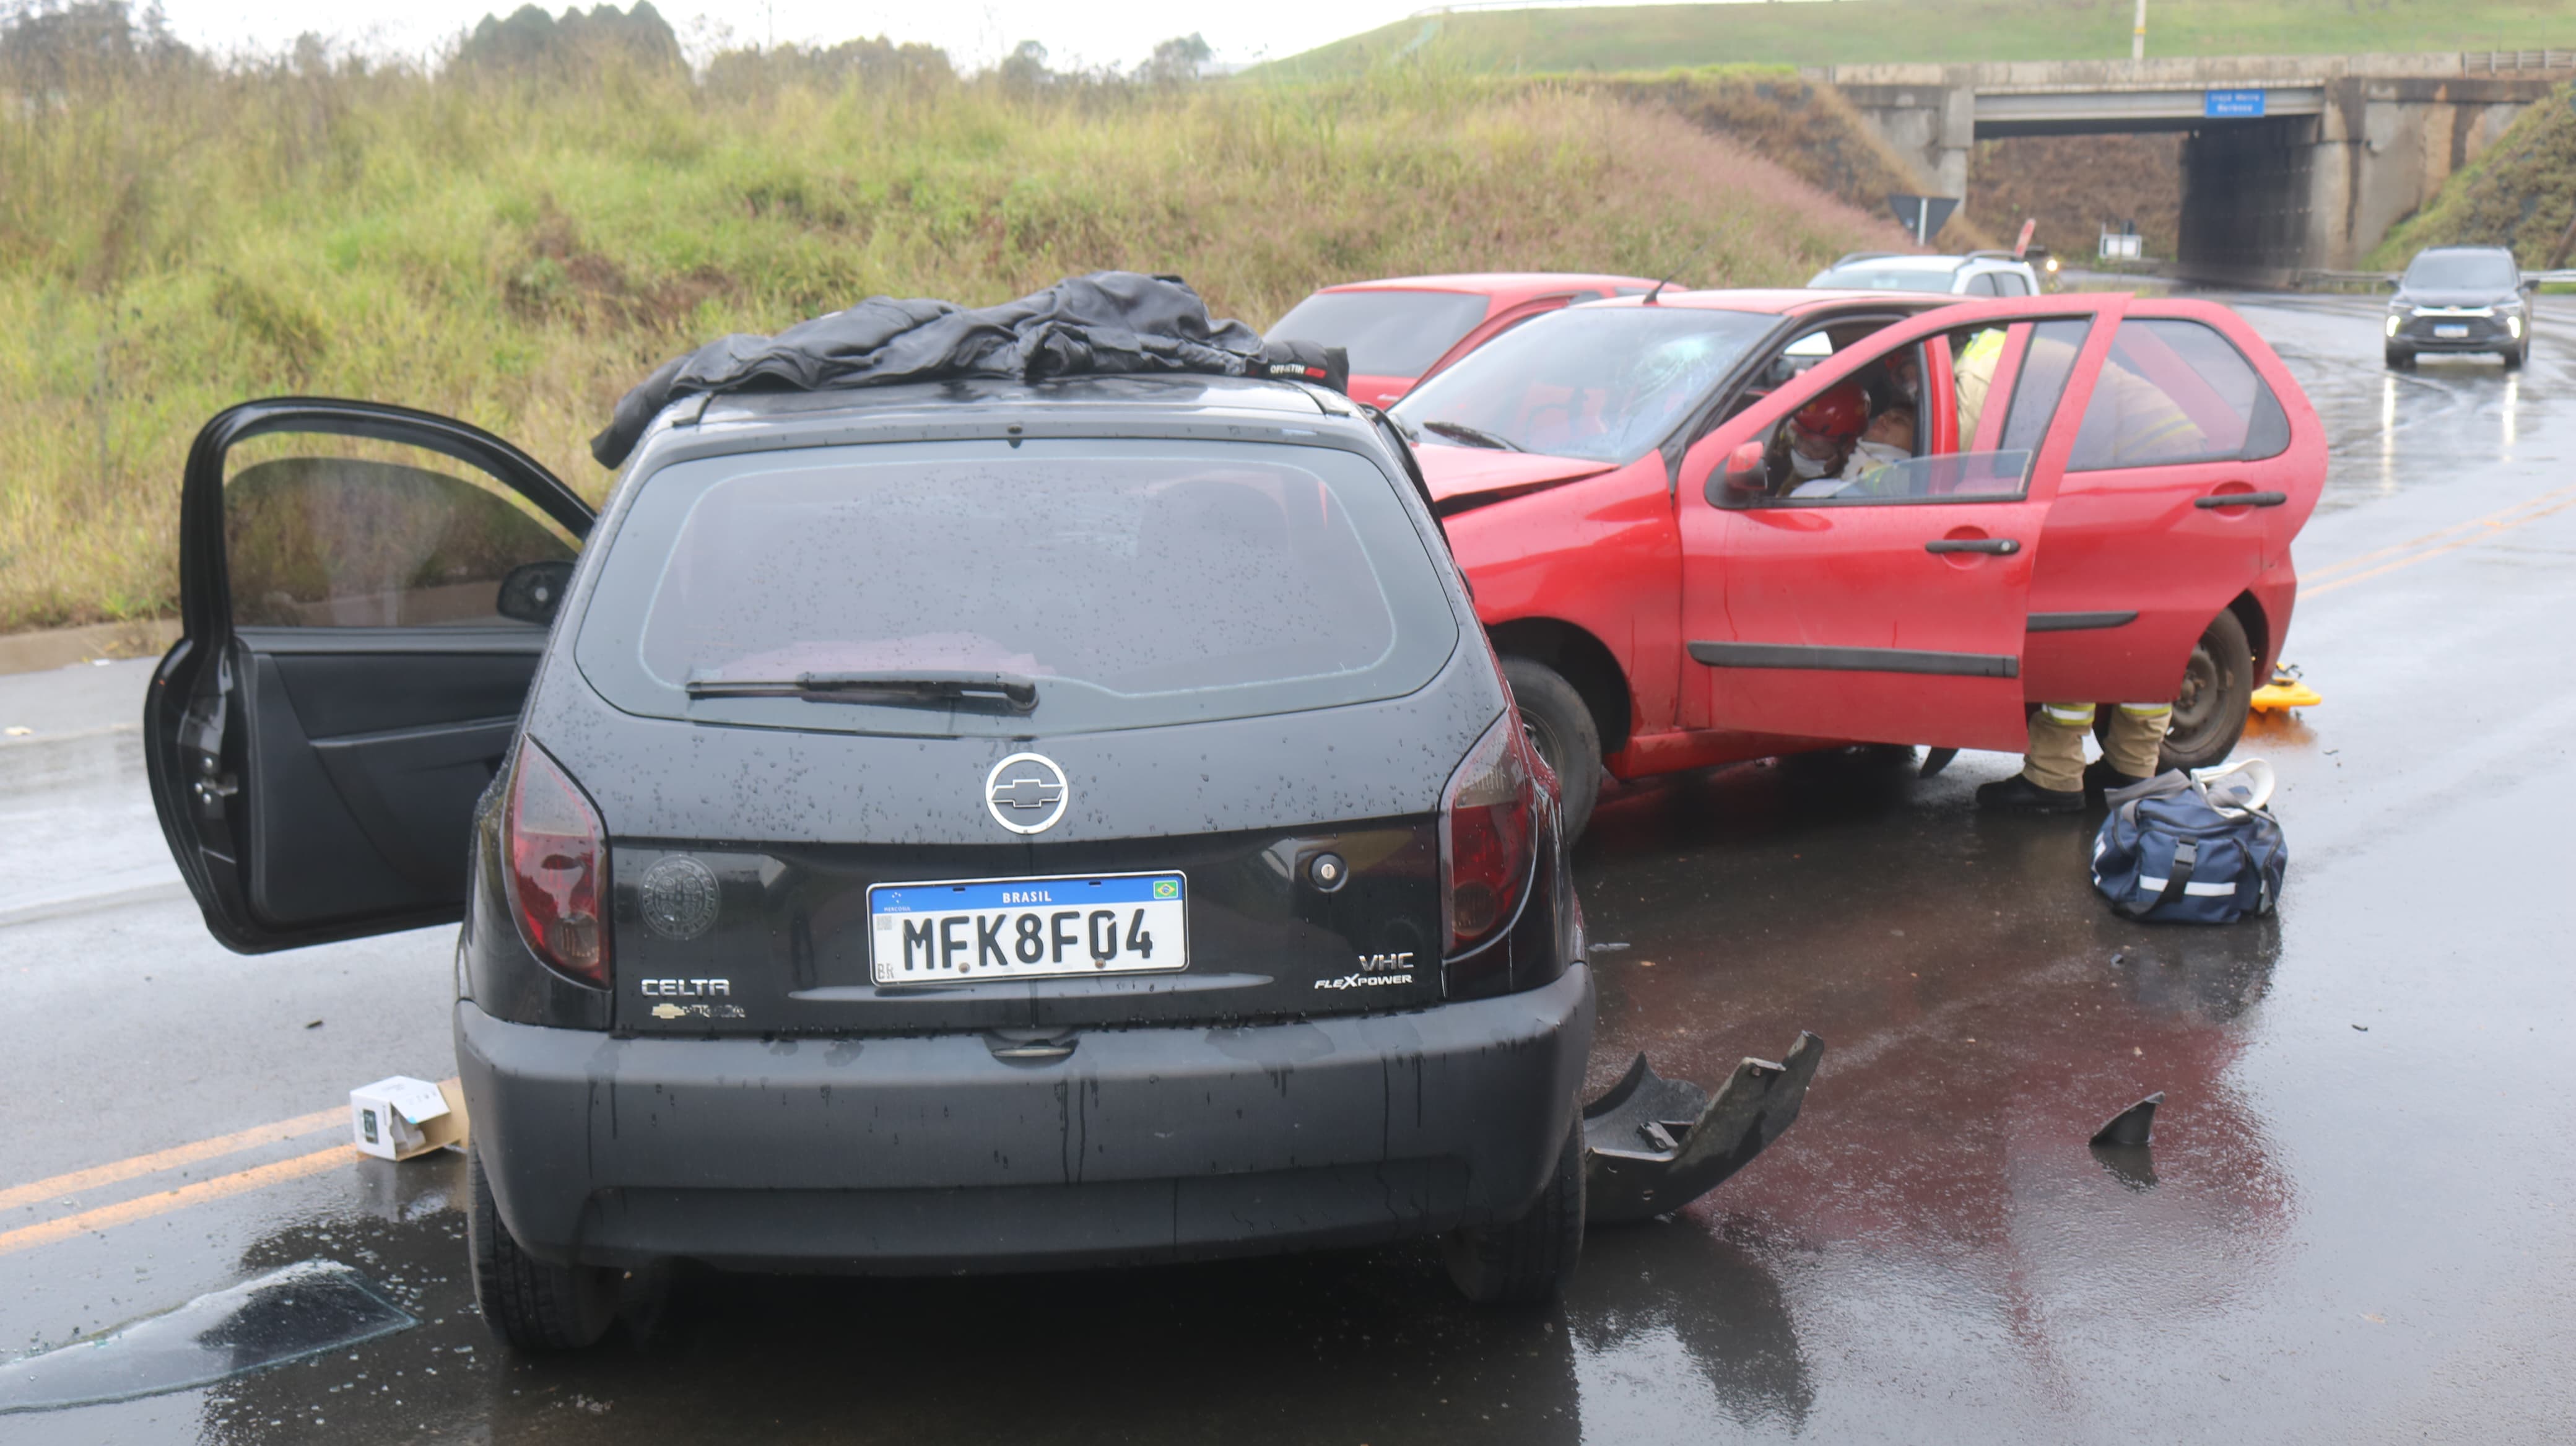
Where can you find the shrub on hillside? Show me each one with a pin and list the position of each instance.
(532, 41)
(876, 65)
(47, 46)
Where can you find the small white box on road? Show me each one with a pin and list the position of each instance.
(397, 1118)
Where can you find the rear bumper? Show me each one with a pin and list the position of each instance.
(931, 1155)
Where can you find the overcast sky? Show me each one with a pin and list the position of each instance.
(973, 32)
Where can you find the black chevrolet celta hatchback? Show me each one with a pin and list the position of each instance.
(972, 825)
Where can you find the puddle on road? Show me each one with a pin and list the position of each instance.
(285, 1315)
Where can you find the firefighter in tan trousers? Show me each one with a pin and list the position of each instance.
(2054, 777)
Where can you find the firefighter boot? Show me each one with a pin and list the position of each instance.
(2052, 774)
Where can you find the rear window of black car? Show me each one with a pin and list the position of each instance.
(1387, 333)
(1135, 583)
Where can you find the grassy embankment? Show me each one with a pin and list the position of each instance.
(1851, 32)
(517, 255)
(2521, 192)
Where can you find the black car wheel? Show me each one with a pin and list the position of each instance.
(2400, 359)
(2209, 711)
(2514, 359)
(1530, 1260)
(1561, 728)
(525, 1301)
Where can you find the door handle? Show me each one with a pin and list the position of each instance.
(1999, 546)
(2241, 499)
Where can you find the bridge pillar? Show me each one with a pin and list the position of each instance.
(1931, 124)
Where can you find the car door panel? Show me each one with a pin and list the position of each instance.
(1852, 626)
(2157, 544)
(1900, 619)
(347, 684)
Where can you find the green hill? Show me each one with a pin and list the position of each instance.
(516, 243)
(1830, 32)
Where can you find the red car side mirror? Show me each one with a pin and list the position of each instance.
(1743, 481)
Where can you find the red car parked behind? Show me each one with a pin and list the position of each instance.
(2098, 506)
(1405, 328)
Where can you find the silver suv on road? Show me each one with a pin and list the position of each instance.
(1979, 273)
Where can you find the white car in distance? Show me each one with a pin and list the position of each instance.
(1979, 273)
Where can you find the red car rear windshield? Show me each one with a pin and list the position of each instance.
(1388, 333)
(1605, 384)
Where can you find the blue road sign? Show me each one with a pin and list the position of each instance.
(2232, 104)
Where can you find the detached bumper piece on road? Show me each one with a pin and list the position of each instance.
(1653, 1145)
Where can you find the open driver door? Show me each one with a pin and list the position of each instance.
(365, 593)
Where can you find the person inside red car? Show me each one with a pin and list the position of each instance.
(1820, 437)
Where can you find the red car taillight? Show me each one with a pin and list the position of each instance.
(558, 872)
(1488, 835)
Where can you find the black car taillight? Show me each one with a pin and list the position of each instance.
(558, 867)
(1488, 836)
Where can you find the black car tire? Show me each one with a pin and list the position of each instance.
(2514, 359)
(1528, 1261)
(1561, 728)
(2209, 711)
(530, 1304)
(2399, 358)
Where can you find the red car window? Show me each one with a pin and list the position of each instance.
(2172, 392)
(1975, 400)
(1386, 333)
(2047, 360)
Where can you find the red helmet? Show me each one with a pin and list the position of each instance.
(1839, 412)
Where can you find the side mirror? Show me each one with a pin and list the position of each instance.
(2531, 284)
(533, 591)
(1743, 481)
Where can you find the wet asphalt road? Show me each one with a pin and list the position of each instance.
(2359, 1223)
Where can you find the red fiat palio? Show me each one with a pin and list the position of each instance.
(1405, 328)
(2063, 498)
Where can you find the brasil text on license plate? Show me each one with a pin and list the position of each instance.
(972, 929)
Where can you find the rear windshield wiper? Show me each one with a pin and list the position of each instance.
(1473, 436)
(1013, 691)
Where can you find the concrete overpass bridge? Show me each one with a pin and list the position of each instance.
(2291, 163)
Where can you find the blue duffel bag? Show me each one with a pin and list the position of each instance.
(2193, 848)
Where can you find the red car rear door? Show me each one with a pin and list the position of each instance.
(1895, 611)
(2144, 544)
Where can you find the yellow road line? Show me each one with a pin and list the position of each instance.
(144, 1207)
(2491, 520)
(2491, 528)
(172, 1158)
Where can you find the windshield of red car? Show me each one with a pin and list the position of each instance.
(1602, 384)
(1387, 333)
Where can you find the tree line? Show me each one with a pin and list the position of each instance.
(48, 47)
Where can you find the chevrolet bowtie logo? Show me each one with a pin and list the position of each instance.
(1026, 793)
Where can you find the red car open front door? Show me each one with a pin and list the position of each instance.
(1889, 605)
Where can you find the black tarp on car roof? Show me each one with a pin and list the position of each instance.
(1109, 322)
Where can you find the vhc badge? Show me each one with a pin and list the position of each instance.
(1026, 793)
